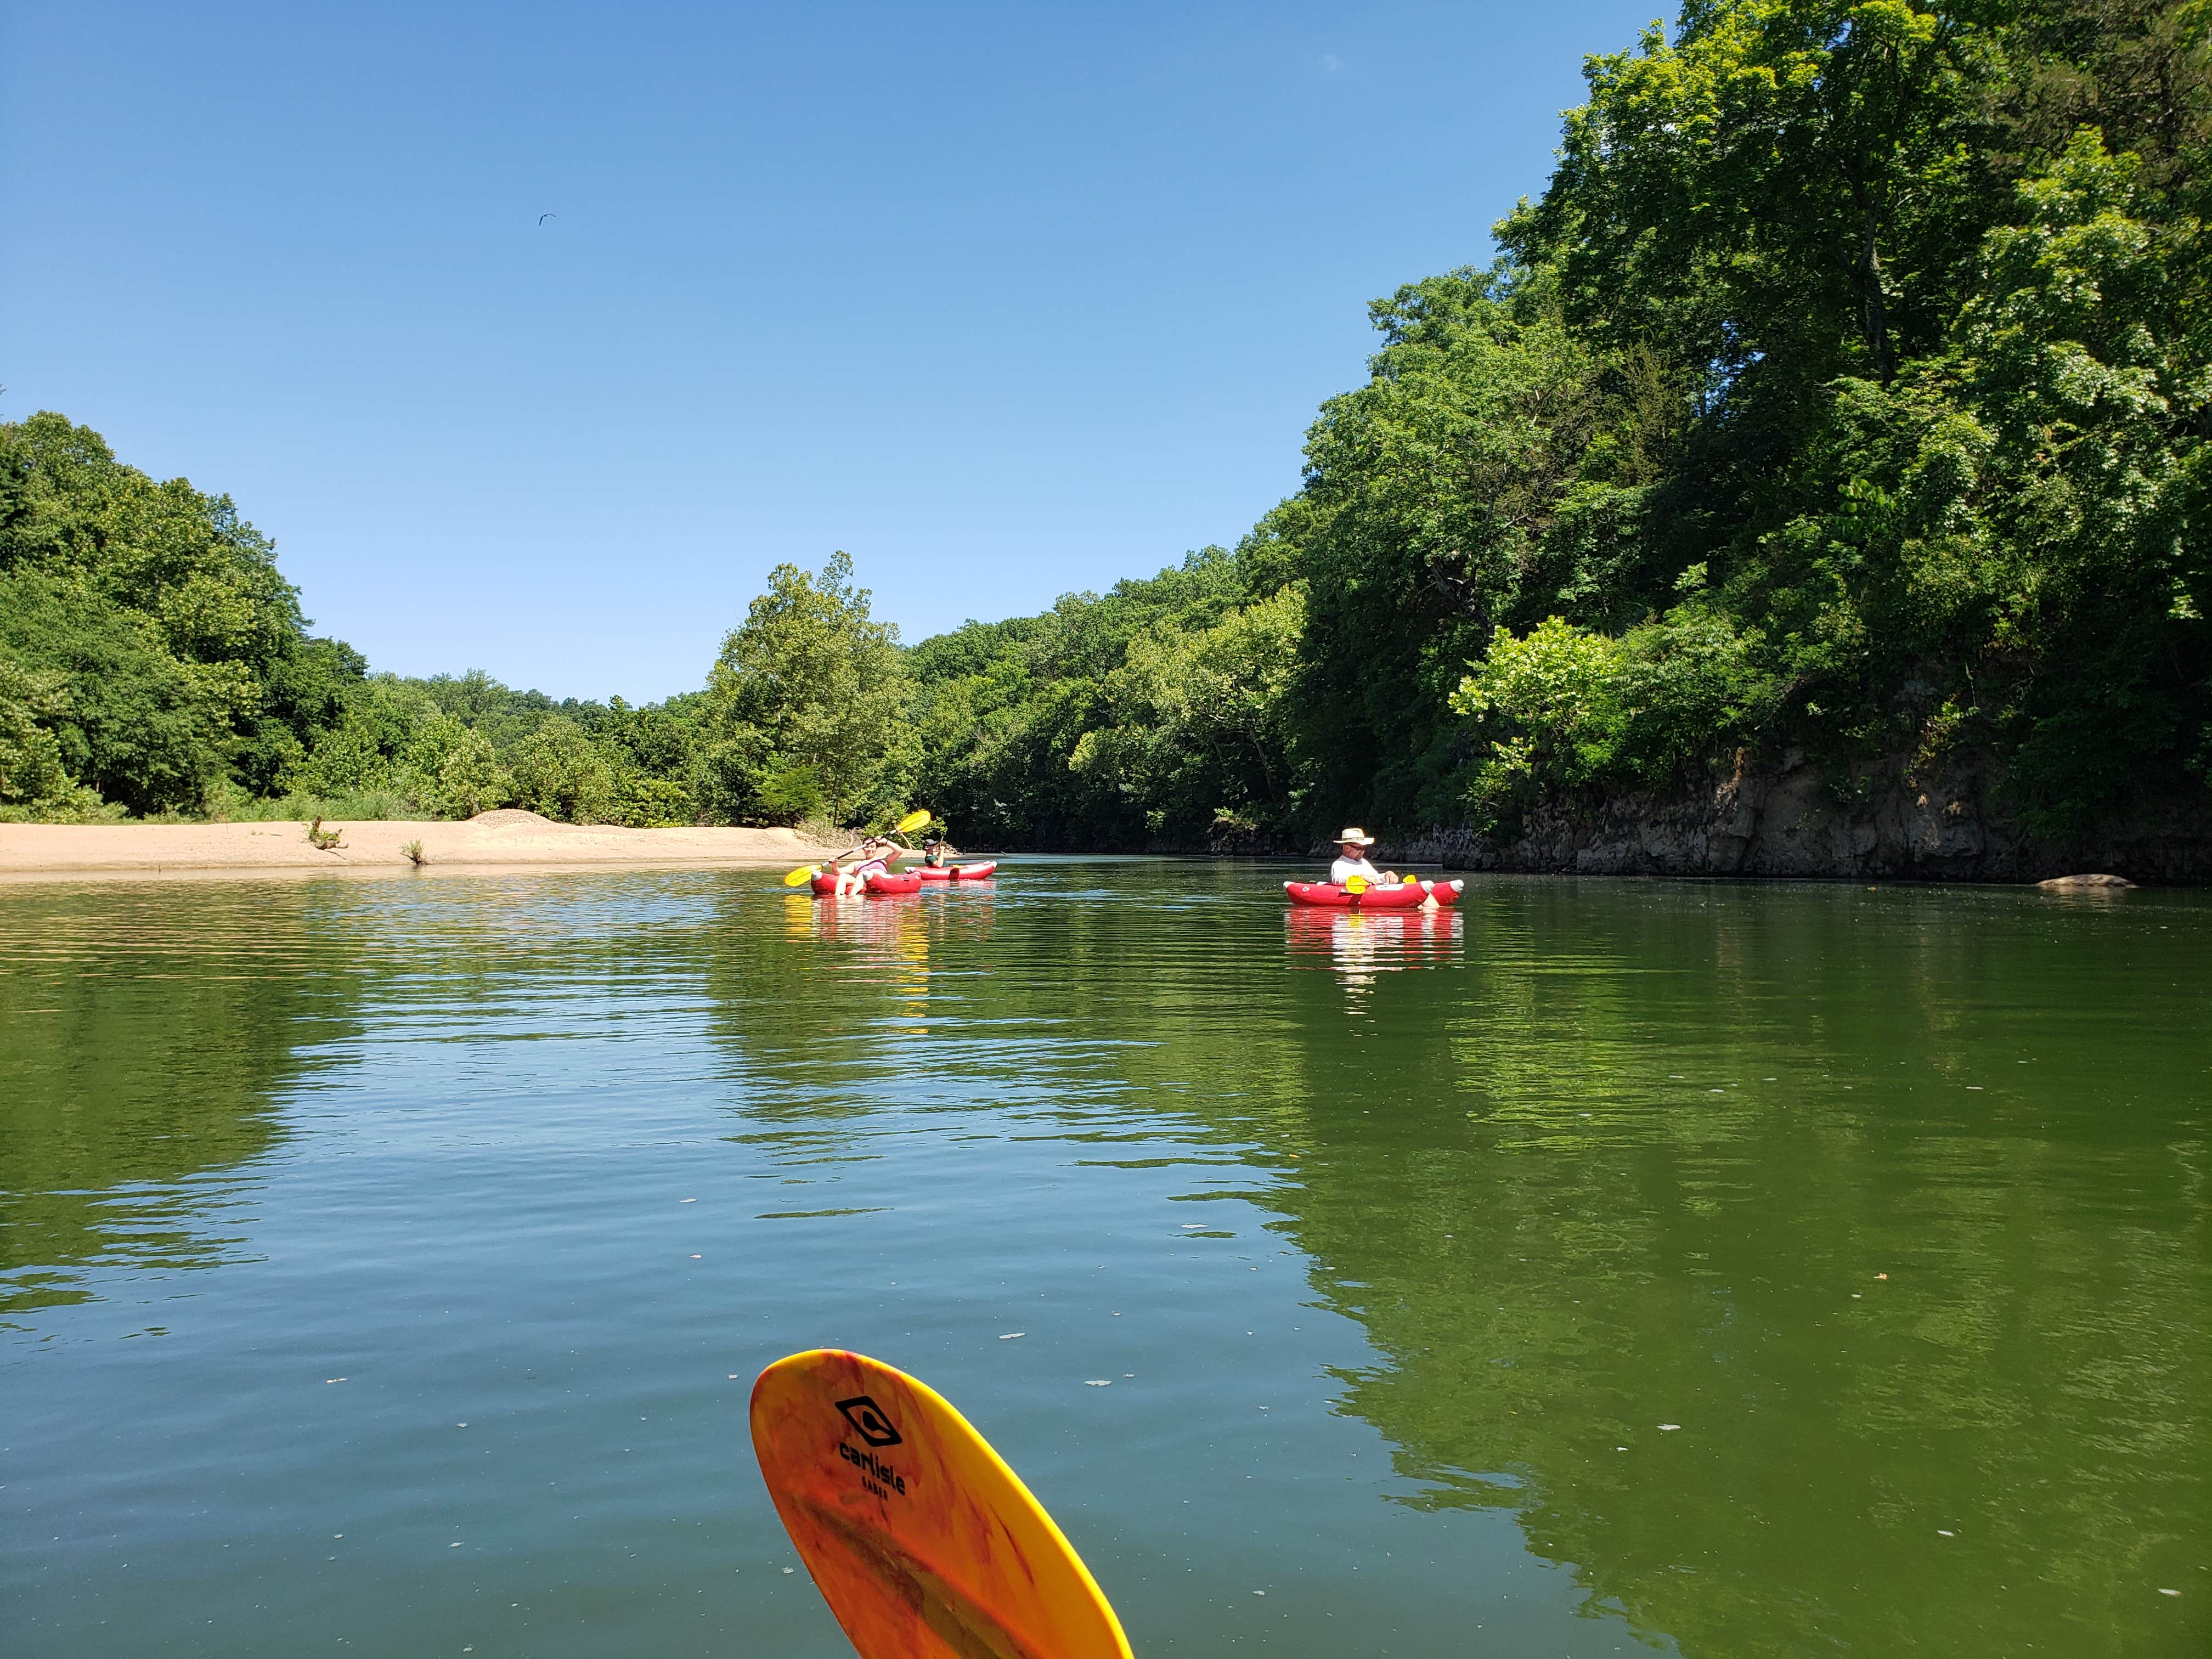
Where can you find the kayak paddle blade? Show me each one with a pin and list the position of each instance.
(912, 822)
(800, 877)
(923, 1542)
(1356, 885)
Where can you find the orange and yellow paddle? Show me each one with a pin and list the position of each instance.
(907, 825)
(923, 1542)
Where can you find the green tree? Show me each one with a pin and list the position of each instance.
(31, 776)
(183, 651)
(810, 680)
(1199, 726)
(452, 770)
(560, 772)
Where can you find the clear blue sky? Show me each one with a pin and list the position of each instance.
(1005, 300)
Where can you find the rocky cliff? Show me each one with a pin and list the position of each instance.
(1794, 818)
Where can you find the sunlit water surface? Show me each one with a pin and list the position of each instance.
(1609, 1267)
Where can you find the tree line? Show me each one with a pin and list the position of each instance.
(1845, 391)
(155, 664)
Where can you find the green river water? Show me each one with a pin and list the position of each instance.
(384, 1262)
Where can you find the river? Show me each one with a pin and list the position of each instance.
(1601, 1268)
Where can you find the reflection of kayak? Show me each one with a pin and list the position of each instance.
(956, 871)
(879, 884)
(1406, 897)
(1371, 940)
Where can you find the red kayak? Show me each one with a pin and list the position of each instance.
(1408, 896)
(955, 872)
(1445, 892)
(880, 884)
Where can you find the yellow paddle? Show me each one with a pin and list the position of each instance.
(907, 825)
(1356, 885)
(923, 1542)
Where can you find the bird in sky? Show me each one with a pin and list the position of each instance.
(542, 217)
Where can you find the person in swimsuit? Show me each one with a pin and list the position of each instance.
(874, 856)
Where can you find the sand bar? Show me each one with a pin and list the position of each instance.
(505, 837)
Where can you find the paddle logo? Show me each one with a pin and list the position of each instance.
(868, 1420)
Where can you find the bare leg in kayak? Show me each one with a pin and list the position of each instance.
(874, 855)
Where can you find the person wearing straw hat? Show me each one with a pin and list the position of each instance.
(1352, 860)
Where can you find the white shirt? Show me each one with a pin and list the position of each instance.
(1344, 869)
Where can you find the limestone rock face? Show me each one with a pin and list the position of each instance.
(1787, 817)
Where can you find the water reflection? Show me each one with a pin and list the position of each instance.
(142, 1044)
(1763, 1253)
(1798, 1268)
(1359, 944)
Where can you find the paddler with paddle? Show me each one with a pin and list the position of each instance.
(873, 854)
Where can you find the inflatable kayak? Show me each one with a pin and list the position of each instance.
(1445, 892)
(956, 871)
(879, 884)
(1408, 895)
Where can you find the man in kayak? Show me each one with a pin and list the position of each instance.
(937, 851)
(1352, 860)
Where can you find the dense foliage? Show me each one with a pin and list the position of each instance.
(153, 662)
(1846, 391)
(805, 709)
(149, 651)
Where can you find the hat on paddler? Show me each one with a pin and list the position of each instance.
(1356, 837)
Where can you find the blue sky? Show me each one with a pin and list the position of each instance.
(1006, 301)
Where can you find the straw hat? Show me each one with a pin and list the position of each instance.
(1357, 837)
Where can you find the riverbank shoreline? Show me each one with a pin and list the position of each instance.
(491, 841)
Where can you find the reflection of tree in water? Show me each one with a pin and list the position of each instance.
(1093, 995)
(826, 1004)
(1625, 1176)
(1626, 1165)
(145, 1033)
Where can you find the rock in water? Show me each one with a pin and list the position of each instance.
(2071, 884)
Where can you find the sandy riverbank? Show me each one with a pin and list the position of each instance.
(495, 838)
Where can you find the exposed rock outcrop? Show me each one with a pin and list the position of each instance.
(1794, 818)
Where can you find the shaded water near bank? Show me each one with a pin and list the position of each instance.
(1608, 1267)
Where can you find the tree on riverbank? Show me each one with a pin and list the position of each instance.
(1844, 395)
(805, 709)
(144, 629)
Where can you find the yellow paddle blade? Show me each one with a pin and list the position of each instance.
(912, 822)
(923, 1542)
(799, 877)
(1356, 885)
